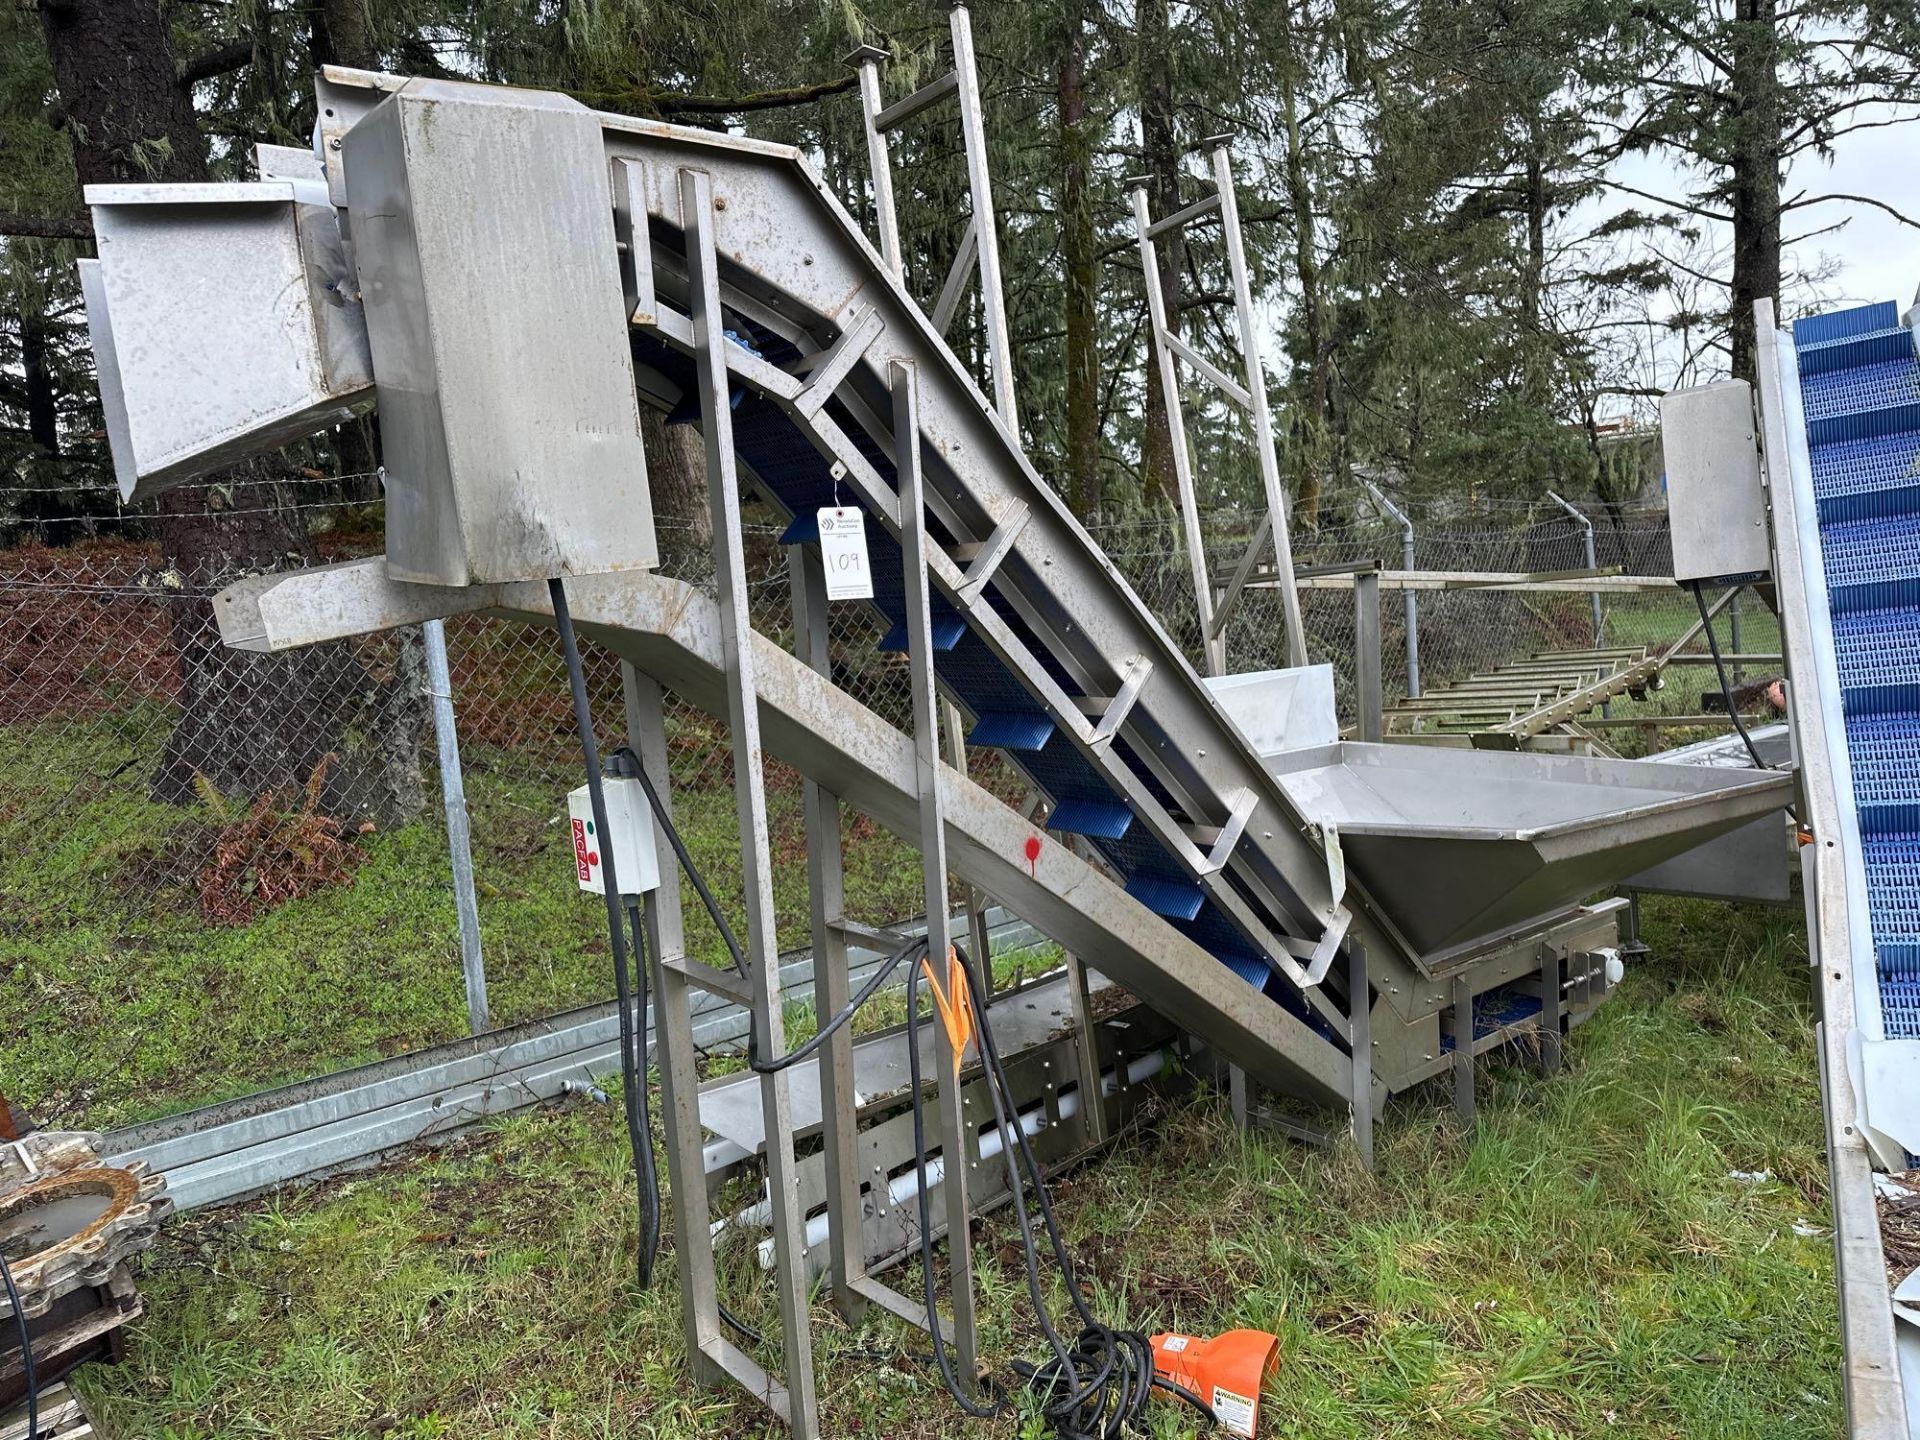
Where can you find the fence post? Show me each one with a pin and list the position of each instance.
(1593, 563)
(1733, 625)
(453, 793)
(1366, 654)
(1408, 596)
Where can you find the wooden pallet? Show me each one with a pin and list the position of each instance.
(61, 1414)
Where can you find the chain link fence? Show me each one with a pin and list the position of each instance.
(220, 871)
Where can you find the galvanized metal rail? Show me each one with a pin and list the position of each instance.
(229, 1151)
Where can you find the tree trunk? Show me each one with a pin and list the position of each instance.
(1077, 236)
(43, 416)
(248, 724)
(59, 516)
(677, 484)
(1160, 150)
(1312, 454)
(342, 35)
(1533, 283)
(1537, 354)
(1755, 181)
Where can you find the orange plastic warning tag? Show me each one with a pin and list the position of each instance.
(953, 1004)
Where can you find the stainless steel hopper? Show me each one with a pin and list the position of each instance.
(1458, 846)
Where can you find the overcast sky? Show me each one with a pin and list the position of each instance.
(1879, 257)
(1875, 257)
(1863, 254)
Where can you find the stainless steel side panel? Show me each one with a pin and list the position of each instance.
(221, 324)
(482, 227)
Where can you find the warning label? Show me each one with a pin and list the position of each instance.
(1235, 1412)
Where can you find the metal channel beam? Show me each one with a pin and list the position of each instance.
(1569, 706)
(677, 1050)
(1198, 210)
(1214, 645)
(742, 709)
(956, 1134)
(908, 106)
(833, 987)
(1263, 442)
(1539, 582)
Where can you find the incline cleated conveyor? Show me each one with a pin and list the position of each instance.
(1031, 630)
(494, 267)
(1839, 404)
(1860, 386)
(1035, 634)
(1057, 663)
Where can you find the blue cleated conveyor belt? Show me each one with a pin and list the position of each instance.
(791, 471)
(1860, 381)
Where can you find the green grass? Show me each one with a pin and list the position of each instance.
(119, 1003)
(1579, 1264)
(1658, 620)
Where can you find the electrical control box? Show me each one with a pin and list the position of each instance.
(1716, 505)
(636, 863)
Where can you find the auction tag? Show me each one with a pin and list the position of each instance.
(843, 553)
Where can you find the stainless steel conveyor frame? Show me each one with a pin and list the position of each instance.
(756, 309)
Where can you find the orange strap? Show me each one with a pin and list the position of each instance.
(953, 1003)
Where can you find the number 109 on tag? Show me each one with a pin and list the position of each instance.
(843, 553)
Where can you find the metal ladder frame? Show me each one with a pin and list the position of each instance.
(979, 255)
(1249, 397)
(980, 243)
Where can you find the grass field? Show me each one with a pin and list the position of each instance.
(118, 1002)
(1581, 1263)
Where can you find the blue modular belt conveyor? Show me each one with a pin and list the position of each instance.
(1860, 381)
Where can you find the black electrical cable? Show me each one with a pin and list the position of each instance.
(973, 1407)
(1095, 1387)
(1089, 1390)
(737, 953)
(1720, 669)
(912, 952)
(1126, 1353)
(633, 1065)
(26, 1351)
(641, 1136)
(685, 857)
(633, 1086)
(633, 1038)
(1726, 690)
